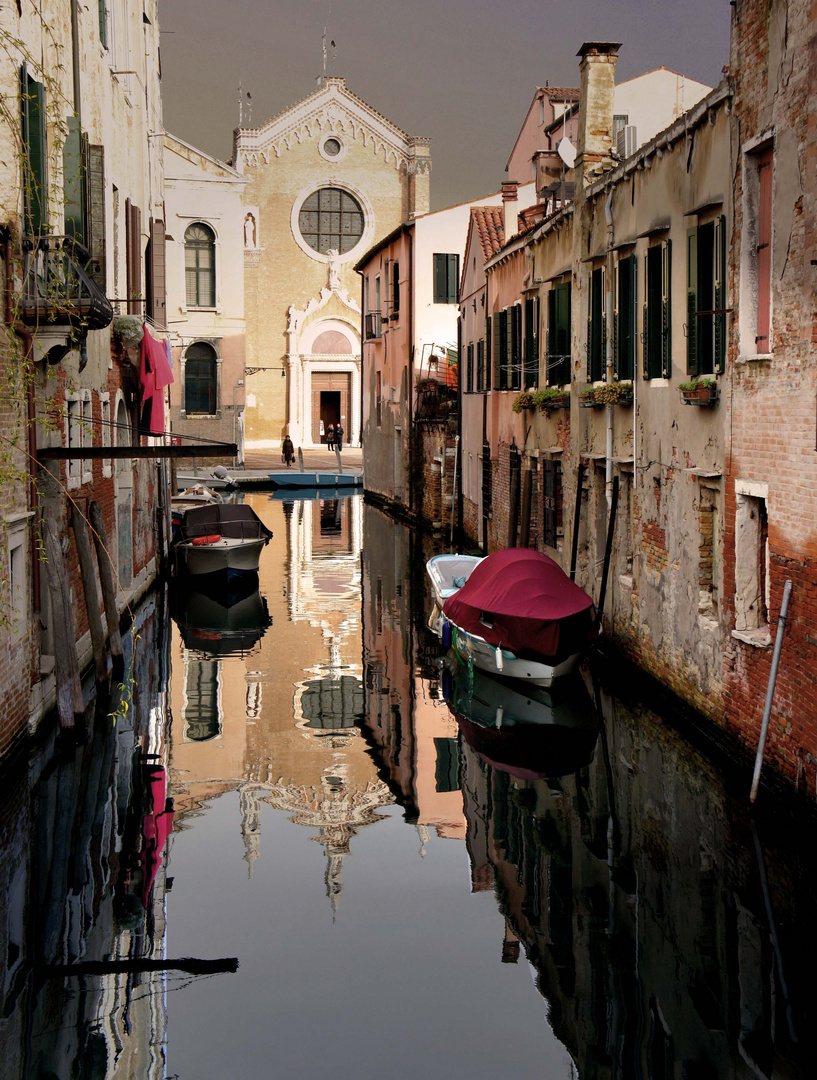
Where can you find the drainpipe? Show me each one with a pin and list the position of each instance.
(33, 499)
(76, 61)
(410, 380)
(608, 474)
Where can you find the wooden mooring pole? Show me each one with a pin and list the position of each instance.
(88, 572)
(608, 550)
(767, 711)
(70, 703)
(106, 578)
(577, 515)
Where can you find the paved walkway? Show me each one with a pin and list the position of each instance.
(258, 463)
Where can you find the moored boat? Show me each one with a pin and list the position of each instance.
(447, 573)
(519, 615)
(295, 479)
(221, 537)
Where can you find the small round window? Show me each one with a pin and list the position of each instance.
(331, 219)
(331, 147)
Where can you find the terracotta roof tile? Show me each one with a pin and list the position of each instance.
(489, 221)
(561, 93)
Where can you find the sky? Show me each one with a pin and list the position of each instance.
(462, 72)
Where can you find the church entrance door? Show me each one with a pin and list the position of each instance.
(331, 398)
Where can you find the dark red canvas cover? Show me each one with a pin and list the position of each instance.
(523, 601)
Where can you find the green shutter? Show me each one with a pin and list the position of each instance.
(588, 348)
(563, 329)
(666, 309)
(73, 172)
(550, 351)
(603, 352)
(488, 354)
(616, 287)
(35, 154)
(497, 349)
(103, 23)
(439, 279)
(645, 325)
(692, 302)
(452, 266)
(720, 294)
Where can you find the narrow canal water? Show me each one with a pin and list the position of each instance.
(297, 844)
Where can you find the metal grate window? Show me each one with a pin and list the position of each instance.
(331, 219)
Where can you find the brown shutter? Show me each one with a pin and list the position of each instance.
(155, 265)
(133, 217)
(95, 204)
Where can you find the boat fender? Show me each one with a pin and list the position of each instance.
(201, 541)
(499, 660)
(445, 634)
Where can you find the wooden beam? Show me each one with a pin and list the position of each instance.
(119, 453)
(188, 964)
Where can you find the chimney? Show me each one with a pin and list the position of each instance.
(598, 82)
(510, 208)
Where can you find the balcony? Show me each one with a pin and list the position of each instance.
(57, 288)
(434, 401)
(372, 327)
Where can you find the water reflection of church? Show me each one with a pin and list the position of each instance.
(282, 724)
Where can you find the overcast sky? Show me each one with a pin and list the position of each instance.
(462, 72)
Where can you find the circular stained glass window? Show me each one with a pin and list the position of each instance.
(331, 219)
(331, 147)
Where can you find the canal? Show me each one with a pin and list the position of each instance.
(295, 843)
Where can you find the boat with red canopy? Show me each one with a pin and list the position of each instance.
(521, 616)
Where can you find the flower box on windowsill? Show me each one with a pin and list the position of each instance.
(587, 399)
(703, 392)
(551, 398)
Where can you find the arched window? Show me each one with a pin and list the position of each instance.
(200, 379)
(331, 219)
(200, 266)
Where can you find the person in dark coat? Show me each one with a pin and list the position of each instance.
(330, 437)
(287, 451)
(339, 436)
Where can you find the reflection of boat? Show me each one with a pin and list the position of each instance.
(447, 574)
(294, 479)
(226, 616)
(519, 615)
(221, 536)
(522, 729)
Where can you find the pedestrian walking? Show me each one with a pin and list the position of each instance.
(339, 436)
(330, 437)
(287, 451)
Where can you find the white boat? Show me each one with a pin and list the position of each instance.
(217, 479)
(220, 537)
(447, 573)
(519, 615)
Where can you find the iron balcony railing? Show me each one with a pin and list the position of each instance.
(57, 288)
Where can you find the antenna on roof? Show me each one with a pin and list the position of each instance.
(240, 106)
(322, 82)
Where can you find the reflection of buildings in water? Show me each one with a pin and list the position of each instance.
(323, 571)
(82, 879)
(411, 729)
(634, 888)
(335, 807)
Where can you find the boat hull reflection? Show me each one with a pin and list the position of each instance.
(528, 731)
(221, 614)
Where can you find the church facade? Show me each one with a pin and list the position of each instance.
(325, 179)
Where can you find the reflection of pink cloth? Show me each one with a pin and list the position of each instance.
(156, 373)
(156, 827)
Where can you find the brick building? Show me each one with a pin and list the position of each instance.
(82, 246)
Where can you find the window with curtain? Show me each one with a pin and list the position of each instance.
(200, 266)
(200, 379)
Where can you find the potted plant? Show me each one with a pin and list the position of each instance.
(699, 392)
(614, 393)
(588, 399)
(552, 397)
(525, 400)
(128, 328)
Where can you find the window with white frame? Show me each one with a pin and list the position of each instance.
(18, 593)
(73, 439)
(87, 435)
(105, 416)
(200, 266)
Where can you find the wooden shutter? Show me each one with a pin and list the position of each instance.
(395, 288)
(439, 279)
(133, 249)
(95, 209)
(591, 282)
(666, 309)
(549, 484)
(73, 180)
(481, 365)
(488, 353)
(763, 342)
(720, 293)
(35, 153)
(563, 330)
(155, 262)
(693, 364)
(616, 319)
(645, 317)
(497, 350)
(452, 278)
(550, 351)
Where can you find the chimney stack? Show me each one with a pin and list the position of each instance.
(598, 82)
(510, 208)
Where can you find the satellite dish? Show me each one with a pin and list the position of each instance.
(567, 152)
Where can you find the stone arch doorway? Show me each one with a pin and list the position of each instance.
(331, 402)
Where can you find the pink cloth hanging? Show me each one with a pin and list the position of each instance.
(156, 372)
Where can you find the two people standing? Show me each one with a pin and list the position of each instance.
(334, 436)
